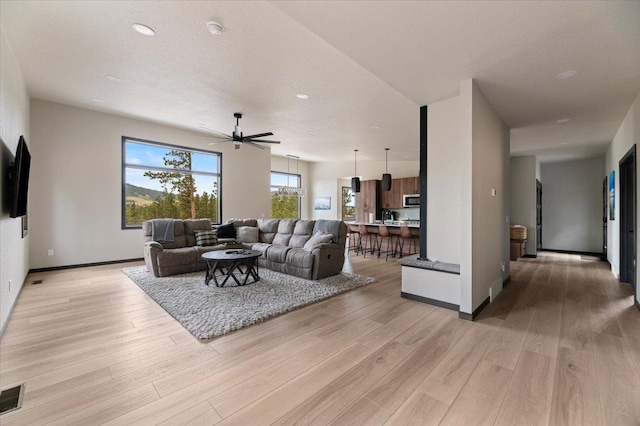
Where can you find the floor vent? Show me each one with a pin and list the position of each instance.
(36, 282)
(11, 399)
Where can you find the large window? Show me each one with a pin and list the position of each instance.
(284, 204)
(161, 180)
(348, 204)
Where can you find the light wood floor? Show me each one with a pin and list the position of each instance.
(560, 345)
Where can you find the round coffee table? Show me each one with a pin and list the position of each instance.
(234, 264)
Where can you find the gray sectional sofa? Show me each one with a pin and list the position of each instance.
(286, 246)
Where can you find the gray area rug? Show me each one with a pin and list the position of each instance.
(209, 311)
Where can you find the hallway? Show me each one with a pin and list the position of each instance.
(570, 331)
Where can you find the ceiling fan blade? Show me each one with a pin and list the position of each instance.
(258, 135)
(261, 141)
(219, 134)
(220, 141)
(253, 144)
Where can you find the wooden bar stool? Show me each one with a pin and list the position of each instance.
(405, 234)
(353, 234)
(384, 233)
(366, 238)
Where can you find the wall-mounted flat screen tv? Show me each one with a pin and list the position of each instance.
(19, 180)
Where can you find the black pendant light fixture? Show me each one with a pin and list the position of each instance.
(355, 180)
(386, 177)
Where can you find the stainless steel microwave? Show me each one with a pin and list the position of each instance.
(411, 200)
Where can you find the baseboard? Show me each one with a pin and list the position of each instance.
(506, 281)
(84, 265)
(583, 253)
(15, 302)
(476, 312)
(429, 301)
(637, 304)
(530, 256)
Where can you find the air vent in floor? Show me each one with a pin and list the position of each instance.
(36, 282)
(11, 399)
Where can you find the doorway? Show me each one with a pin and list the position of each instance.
(538, 215)
(605, 196)
(628, 218)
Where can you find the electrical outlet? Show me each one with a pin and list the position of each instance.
(493, 192)
(9, 286)
(502, 266)
(50, 252)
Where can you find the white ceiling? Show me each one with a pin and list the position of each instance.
(363, 64)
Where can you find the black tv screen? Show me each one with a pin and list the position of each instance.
(19, 180)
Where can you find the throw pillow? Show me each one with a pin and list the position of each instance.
(247, 234)
(318, 238)
(226, 231)
(206, 238)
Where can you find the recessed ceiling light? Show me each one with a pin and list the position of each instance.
(215, 28)
(564, 143)
(375, 127)
(100, 101)
(302, 96)
(563, 120)
(143, 29)
(566, 74)
(112, 78)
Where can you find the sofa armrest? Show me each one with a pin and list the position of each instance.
(328, 260)
(151, 250)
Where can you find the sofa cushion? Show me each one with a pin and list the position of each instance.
(193, 225)
(281, 239)
(178, 231)
(318, 238)
(278, 253)
(177, 257)
(237, 223)
(206, 238)
(304, 227)
(226, 231)
(330, 227)
(262, 248)
(247, 234)
(300, 258)
(286, 226)
(298, 240)
(268, 229)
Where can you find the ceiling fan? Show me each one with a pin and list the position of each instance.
(238, 138)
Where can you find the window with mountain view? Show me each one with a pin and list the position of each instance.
(165, 181)
(284, 203)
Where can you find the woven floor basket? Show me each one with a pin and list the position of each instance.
(518, 233)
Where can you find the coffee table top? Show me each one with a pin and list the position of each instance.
(234, 254)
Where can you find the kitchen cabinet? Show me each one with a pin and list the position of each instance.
(368, 200)
(393, 199)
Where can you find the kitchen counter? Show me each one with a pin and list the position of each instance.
(389, 223)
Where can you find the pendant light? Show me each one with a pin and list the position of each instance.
(292, 190)
(355, 180)
(386, 177)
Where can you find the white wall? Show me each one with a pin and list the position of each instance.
(523, 197)
(444, 179)
(627, 135)
(279, 164)
(77, 183)
(327, 179)
(14, 121)
(483, 142)
(572, 205)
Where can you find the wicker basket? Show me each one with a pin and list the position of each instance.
(518, 233)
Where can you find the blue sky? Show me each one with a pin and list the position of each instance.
(149, 155)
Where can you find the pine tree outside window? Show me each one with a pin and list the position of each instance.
(167, 181)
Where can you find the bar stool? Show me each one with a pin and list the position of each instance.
(352, 232)
(405, 234)
(384, 233)
(366, 237)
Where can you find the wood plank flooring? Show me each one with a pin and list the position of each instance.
(559, 346)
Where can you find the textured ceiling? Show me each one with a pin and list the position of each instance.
(363, 64)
